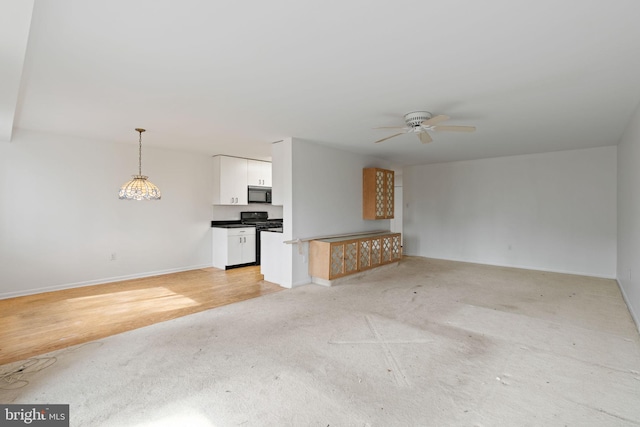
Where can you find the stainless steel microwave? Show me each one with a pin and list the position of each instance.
(259, 194)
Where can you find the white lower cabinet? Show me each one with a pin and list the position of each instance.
(233, 246)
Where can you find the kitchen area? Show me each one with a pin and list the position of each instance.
(350, 235)
(245, 222)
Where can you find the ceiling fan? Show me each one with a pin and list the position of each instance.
(420, 122)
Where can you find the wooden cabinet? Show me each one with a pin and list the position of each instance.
(333, 258)
(230, 181)
(377, 193)
(233, 246)
(259, 173)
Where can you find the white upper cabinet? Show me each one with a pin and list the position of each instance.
(230, 181)
(259, 173)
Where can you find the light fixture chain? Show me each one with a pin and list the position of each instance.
(139, 188)
(140, 154)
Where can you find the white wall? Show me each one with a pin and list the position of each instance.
(61, 219)
(327, 197)
(282, 174)
(553, 211)
(323, 196)
(628, 268)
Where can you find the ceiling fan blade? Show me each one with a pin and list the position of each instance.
(389, 127)
(389, 137)
(434, 120)
(455, 128)
(424, 137)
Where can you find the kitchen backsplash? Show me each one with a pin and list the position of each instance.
(221, 212)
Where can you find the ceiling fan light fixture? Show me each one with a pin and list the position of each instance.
(415, 118)
(420, 122)
(139, 188)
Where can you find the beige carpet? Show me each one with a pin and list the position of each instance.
(427, 343)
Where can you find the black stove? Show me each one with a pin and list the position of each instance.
(261, 220)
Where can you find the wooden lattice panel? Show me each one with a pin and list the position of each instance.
(380, 196)
(386, 249)
(365, 252)
(337, 260)
(395, 248)
(351, 257)
(375, 252)
(389, 194)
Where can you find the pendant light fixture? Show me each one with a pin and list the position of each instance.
(139, 188)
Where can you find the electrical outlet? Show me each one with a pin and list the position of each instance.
(113, 256)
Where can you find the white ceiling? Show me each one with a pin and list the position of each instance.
(230, 77)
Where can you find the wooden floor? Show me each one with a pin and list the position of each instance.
(37, 324)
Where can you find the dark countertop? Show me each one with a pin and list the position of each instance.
(229, 224)
(233, 226)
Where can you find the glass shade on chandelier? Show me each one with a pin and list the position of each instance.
(139, 188)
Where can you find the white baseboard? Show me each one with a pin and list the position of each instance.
(522, 267)
(634, 316)
(302, 282)
(99, 281)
